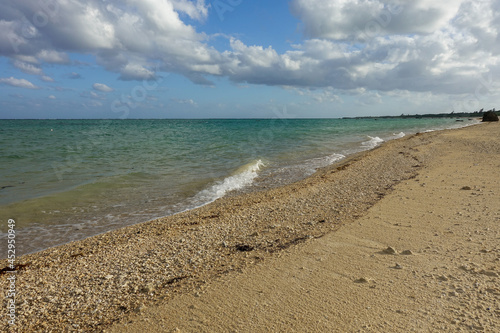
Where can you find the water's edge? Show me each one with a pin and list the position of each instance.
(250, 177)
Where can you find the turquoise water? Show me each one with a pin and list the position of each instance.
(64, 180)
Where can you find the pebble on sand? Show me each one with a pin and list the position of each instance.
(364, 280)
(390, 250)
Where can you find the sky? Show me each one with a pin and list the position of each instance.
(247, 58)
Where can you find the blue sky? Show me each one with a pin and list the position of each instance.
(246, 59)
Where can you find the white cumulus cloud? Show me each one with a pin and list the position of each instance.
(127, 37)
(46, 78)
(53, 57)
(21, 83)
(102, 87)
(376, 45)
(27, 67)
(363, 19)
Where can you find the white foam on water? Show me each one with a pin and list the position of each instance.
(334, 158)
(52, 235)
(455, 125)
(398, 135)
(372, 143)
(243, 177)
(321, 162)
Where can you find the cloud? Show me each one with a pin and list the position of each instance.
(75, 76)
(93, 95)
(359, 20)
(184, 101)
(133, 71)
(377, 45)
(28, 59)
(53, 57)
(325, 95)
(46, 78)
(27, 67)
(21, 83)
(92, 104)
(196, 11)
(368, 98)
(458, 52)
(52, 97)
(127, 37)
(102, 87)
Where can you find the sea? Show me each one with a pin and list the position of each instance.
(65, 180)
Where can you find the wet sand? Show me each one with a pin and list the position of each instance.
(311, 256)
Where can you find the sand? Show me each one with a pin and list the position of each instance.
(402, 238)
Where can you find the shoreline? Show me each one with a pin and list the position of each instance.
(113, 275)
(62, 219)
(424, 258)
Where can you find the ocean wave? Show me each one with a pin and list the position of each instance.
(241, 178)
(398, 135)
(321, 162)
(334, 158)
(372, 143)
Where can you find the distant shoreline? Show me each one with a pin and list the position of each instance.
(476, 114)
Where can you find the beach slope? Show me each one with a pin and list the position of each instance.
(424, 258)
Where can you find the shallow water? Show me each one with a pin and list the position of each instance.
(64, 180)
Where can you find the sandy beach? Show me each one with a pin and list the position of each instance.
(404, 237)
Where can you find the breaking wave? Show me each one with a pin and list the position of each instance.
(372, 143)
(241, 178)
